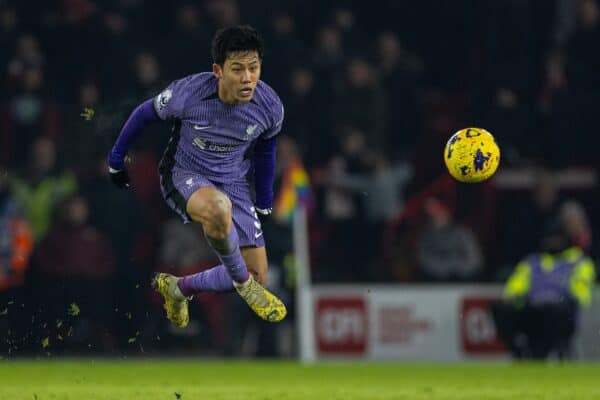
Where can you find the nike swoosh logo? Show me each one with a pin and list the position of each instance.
(258, 234)
(201, 128)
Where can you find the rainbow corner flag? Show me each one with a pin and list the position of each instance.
(293, 193)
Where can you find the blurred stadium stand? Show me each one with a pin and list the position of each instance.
(372, 92)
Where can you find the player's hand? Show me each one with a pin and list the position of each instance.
(119, 177)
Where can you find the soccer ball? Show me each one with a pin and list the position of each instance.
(472, 155)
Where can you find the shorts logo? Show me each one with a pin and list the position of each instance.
(250, 129)
(256, 223)
(190, 182)
(162, 99)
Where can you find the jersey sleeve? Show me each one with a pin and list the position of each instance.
(170, 103)
(277, 113)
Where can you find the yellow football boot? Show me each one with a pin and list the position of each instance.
(261, 301)
(175, 305)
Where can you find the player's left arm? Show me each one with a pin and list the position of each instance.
(264, 163)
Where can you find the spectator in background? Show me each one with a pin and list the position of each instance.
(181, 50)
(382, 189)
(74, 264)
(304, 120)
(118, 43)
(79, 143)
(71, 41)
(134, 260)
(42, 187)
(509, 118)
(353, 37)
(327, 60)
(15, 239)
(26, 116)
(360, 101)
(343, 210)
(574, 106)
(400, 75)
(285, 49)
(328, 52)
(576, 223)
(27, 54)
(9, 25)
(15, 248)
(583, 60)
(543, 296)
(223, 13)
(532, 213)
(509, 55)
(146, 69)
(446, 251)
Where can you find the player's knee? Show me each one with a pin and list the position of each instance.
(213, 211)
(217, 215)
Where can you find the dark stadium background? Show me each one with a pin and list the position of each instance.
(372, 92)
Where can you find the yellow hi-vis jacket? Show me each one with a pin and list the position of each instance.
(544, 277)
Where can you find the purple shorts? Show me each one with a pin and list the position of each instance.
(178, 185)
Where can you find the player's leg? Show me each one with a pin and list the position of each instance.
(213, 209)
(261, 301)
(177, 187)
(256, 262)
(217, 279)
(244, 230)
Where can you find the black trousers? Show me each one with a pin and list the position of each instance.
(536, 331)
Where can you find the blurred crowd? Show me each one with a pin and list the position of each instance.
(372, 92)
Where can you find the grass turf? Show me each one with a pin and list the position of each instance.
(220, 380)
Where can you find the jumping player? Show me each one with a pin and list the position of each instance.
(217, 118)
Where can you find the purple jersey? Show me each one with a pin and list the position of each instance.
(210, 137)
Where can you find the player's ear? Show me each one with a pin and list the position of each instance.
(217, 70)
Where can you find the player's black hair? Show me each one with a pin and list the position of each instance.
(235, 38)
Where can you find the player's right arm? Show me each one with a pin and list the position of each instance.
(168, 104)
(140, 117)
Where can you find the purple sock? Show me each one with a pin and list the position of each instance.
(216, 279)
(228, 251)
(221, 277)
(236, 267)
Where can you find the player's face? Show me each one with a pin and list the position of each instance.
(238, 76)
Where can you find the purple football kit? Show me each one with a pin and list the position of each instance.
(210, 144)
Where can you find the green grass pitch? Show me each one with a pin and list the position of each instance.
(220, 380)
